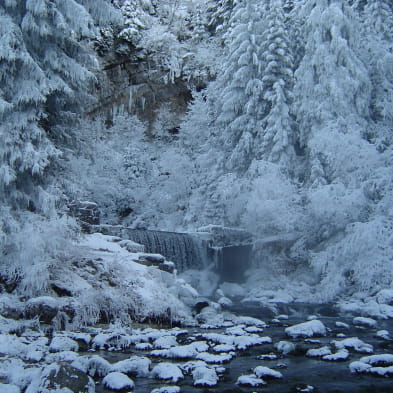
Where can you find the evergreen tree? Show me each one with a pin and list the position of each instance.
(276, 141)
(379, 17)
(43, 78)
(45, 74)
(378, 26)
(332, 82)
(219, 14)
(134, 21)
(238, 105)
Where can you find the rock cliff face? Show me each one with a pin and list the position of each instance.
(133, 83)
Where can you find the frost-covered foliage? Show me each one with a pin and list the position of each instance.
(239, 88)
(45, 73)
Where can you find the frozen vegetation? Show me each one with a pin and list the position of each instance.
(225, 123)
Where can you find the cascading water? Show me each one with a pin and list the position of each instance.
(184, 249)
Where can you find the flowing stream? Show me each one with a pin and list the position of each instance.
(299, 372)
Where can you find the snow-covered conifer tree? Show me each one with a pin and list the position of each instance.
(378, 44)
(379, 17)
(45, 73)
(332, 81)
(239, 87)
(219, 14)
(134, 21)
(277, 139)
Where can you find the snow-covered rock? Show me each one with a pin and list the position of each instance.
(250, 380)
(246, 341)
(61, 343)
(118, 381)
(383, 334)
(342, 325)
(139, 366)
(182, 351)
(385, 359)
(165, 342)
(225, 302)
(307, 329)
(143, 346)
(98, 366)
(353, 343)
(285, 347)
(340, 355)
(216, 359)
(232, 290)
(167, 371)
(237, 330)
(267, 356)
(167, 389)
(204, 376)
(365, 322)
(253, 329)
(359, 367)
(64, 356)
(319, 352)
(223, 348)
(266, 372)
(385, 296)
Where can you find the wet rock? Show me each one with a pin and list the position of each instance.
(45, 308)
(57, 376)
(87, 213)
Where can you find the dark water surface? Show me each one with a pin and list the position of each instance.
(298, 370)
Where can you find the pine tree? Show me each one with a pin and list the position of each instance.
(378, 26)
(43, 78)
(276, 141)
(332, 81)
(219, 14)
(379, 17)
(134, 21)
(238, 105)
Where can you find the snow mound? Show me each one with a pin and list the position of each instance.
(168, 372)
(385, 296)
(182, 351)
(61, 343)
(285, 347)
(307, 329)
(340, 355)
(381, 365)
(223, 348)
(359, 367)
(250, 380)
(217, 359)
(64, 356)
(383, 334)
(167, 389)
(385, 359)
(165, 342)
(355, 344)
(366, 322)
(204, 376)
(319, 352)
(118, 381)
(98, 366)
(140, 366)
(266, 372)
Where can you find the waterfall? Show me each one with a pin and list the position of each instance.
(184, 249)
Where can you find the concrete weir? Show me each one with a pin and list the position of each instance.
(227, 249)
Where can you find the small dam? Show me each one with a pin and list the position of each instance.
(229, 250)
